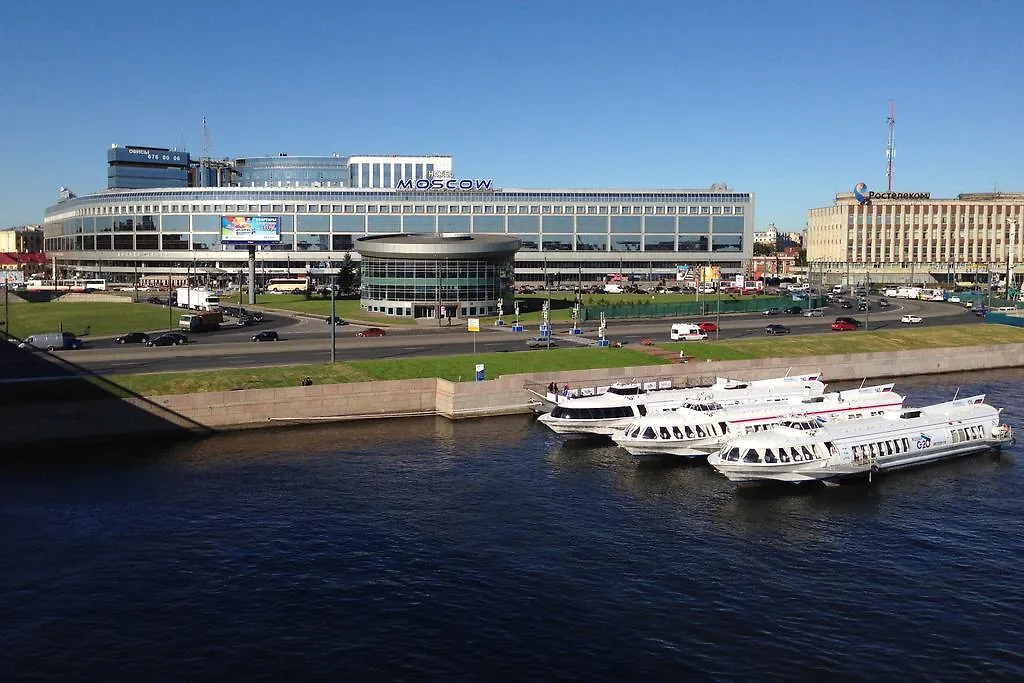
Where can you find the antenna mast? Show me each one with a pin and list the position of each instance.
(890, 149)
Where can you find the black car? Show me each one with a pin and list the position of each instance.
(168, 339)
(883, 303)
(156, 300)
(845, 304)
(132, 338)
(863, 306)
(266, 335)
(776, 329)
(793, 310)
(336, 320)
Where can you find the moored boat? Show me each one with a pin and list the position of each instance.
(699, 428)
(803, 449)
(605, 413)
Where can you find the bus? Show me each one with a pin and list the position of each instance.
(289, 285)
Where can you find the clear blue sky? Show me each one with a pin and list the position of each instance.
(784, 99)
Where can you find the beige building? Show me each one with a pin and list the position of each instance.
(21, 240)
(908, 236)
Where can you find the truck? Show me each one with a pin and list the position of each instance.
(198, 299)
(201, 322)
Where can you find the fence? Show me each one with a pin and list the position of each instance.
(709, 306)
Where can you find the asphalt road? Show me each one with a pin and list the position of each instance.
(307, 340)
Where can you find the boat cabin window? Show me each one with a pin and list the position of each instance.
(814, 399)
(769, 456)
(665, 433)
(677, 432)
(736, 386)
(783, 455)
(700, 432)
(623, 390)
(642, 410)
(689, 431)
(751, 456)
(907, 414)
(808, 453)
(723, 427)
(733, 455)
(796, 455)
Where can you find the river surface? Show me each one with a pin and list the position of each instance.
(490, 550)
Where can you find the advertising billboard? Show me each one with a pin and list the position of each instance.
(250, 229)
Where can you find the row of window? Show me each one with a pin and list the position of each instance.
(780, 454)
(445, 293)
(314, 224)
(476, 209)
(675, 432)
(304, 242)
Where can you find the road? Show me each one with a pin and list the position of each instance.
(307, 340)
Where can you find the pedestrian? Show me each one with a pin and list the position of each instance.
(565, 391)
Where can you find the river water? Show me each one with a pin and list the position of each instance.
(424, 550)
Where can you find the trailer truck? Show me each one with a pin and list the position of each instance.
(198, 299)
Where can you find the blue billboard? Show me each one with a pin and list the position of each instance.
(250, 229)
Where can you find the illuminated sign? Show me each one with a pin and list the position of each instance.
(250, 229)
(446, 184)
(863, 196)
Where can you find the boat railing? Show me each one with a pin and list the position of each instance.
(595, 387)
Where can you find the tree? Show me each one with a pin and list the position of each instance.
(761, 249)
(347, 276)
(801, 258)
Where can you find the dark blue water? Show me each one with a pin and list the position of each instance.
(493, 550)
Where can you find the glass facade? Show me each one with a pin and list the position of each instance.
(435, 288)
(570, 229)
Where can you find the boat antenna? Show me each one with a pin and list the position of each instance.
(789, 371)
(862, 382)
(956, 393)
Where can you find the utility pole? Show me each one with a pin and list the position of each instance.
(890, 148)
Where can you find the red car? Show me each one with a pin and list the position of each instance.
(843, 326)
(707, 327)
(370, 332)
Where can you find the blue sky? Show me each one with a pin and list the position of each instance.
(784, 99)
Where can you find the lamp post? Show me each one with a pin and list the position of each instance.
(334, 314)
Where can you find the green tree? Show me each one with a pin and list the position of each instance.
(761, 249)
(348, 278)
(801, 258)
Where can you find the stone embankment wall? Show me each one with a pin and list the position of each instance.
(506, 395)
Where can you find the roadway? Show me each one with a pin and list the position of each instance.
(307, 340)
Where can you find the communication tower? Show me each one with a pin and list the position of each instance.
(890, 148)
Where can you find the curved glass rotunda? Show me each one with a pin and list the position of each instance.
(441, 275)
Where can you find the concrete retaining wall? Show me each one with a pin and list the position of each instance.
(505, 395)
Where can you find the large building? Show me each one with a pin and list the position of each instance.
(909, 236)
(324, 204)
(26, 239)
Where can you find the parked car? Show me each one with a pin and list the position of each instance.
(336, 320)
(132, 338)
(266, 335)
(776, 329)
(370, 332)
(911, 319)
(168, 339)
(814, 313)
(793, 310)
(771, 311)
(843, 326)
(707, 327)
(540, 342)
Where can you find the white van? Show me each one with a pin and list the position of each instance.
(687, 332)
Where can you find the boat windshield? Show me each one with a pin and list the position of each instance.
(624, 390)
(800, 424)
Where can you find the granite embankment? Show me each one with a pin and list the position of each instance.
(117, 416)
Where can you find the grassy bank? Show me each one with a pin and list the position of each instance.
(461, 368)
(103, 318)
(454, 368)
(833, 343)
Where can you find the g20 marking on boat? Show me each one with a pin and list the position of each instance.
(924, 441)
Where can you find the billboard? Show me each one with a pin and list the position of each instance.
(250, 229)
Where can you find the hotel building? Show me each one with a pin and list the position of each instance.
(324, 204)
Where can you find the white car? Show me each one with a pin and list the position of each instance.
(814, 313)
(911, 319)
(953, 299)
